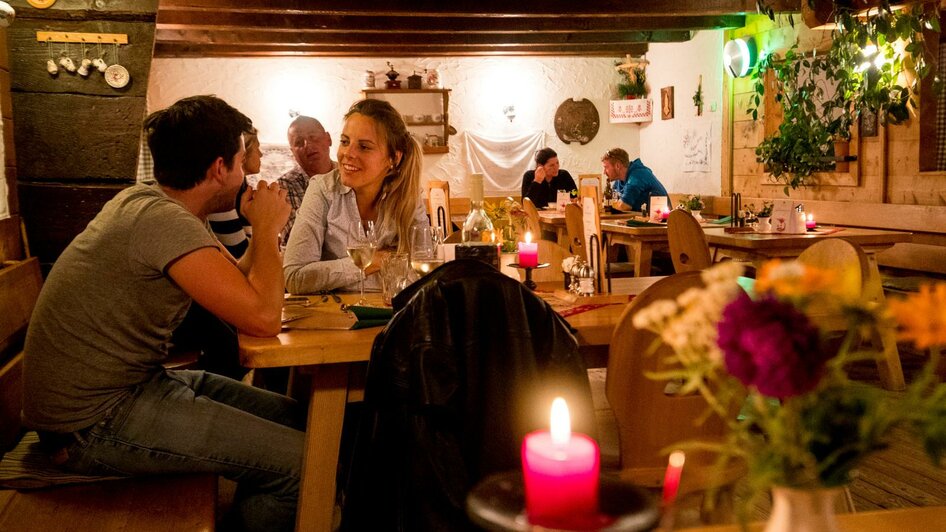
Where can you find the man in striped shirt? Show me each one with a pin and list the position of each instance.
(310, 145)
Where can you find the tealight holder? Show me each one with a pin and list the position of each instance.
(530, 284)
(498, 503)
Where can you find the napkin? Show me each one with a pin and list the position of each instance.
(635, 223)
(723, 220)
(371, 316)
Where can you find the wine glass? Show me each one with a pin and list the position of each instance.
(361, 247)
(425, 249)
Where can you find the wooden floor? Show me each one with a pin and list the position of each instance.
(901, 476)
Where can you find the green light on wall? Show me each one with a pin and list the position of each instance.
(739, 56)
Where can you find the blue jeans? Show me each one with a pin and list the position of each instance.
(196, 422)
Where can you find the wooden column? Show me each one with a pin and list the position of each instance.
(76, 137)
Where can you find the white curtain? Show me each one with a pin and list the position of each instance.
(502, 161)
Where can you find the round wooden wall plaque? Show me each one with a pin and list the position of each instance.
(576, 121)
(41, 4)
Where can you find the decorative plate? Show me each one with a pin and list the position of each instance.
(117, 76)
(576, 121)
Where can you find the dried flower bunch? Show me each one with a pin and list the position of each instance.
(509, 219)
(803, 422)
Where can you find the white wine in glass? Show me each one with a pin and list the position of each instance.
(361, 247)
(425, 249)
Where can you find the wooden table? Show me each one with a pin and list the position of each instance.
(925, 519)
(639, 241)
(554, 221)
(758, 247)
(329, 360)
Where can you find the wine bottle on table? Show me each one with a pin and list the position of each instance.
(478, 239)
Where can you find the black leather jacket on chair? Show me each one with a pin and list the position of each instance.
(468, 365)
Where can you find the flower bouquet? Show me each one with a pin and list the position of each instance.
(803, 422)
(693, 202)
(509, 219)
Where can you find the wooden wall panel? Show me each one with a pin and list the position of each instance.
(4, 52)
(71, 136)
(9, 143)
(55, 213)
(13, 201)
(29, 61)
(11, 245)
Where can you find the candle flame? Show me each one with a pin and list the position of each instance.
(561, 422)
(528, 237)
(811, 217)
(677, 458)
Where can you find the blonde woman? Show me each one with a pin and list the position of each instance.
(377, 180)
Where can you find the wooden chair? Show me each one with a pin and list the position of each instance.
(438, 205)
(580, 231)
(532, 218)
(688, 247)
(855, 279)
(649, 419)
(574, 227)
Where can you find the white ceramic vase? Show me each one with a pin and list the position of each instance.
(696, 214)
(765, 224)
(804, 510)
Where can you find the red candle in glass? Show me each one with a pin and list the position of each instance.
(561, 472)
(528, 252)
(664, 215)
(810, 222)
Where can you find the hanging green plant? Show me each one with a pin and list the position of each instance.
(822, 95)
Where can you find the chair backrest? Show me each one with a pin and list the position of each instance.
(575, 227)
(438, 205)
(843, 257)
(649, 419)
(20, 285)
(589, 180)
(532, 218)
(688, 247)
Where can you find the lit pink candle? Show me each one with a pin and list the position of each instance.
(672, 476)
(561, 472)
(664, 215)
(528, 252)
(810, 222)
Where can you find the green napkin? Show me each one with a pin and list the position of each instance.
(371, 316)
(635, 223)
(723, 220)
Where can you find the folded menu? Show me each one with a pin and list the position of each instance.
(371, 316)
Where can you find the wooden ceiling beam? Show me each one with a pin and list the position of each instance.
(308, 22)
(230, 50)
(257, 37)
(485, 8)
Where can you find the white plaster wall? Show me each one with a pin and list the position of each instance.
(661, 141)
(266, 88)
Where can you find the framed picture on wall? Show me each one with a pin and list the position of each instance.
(666, 103)
(869, 124)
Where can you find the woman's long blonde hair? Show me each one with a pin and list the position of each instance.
(400, 190)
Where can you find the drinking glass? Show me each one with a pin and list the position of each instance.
(361, 247)
(425, 248)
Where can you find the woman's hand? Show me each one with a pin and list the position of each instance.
(380, 255)
(540, 174)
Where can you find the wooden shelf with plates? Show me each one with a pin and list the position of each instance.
(425, 112)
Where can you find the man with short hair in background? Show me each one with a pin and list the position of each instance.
(310, 145)
(633, 182)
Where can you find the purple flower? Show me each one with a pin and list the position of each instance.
(772, 346)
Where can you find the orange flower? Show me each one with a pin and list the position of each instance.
(793, 279)
(922, 316)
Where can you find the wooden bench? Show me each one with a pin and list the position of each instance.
(165, 504)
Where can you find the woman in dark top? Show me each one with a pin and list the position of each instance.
(542, 184)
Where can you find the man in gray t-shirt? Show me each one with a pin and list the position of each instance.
(95, 388)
